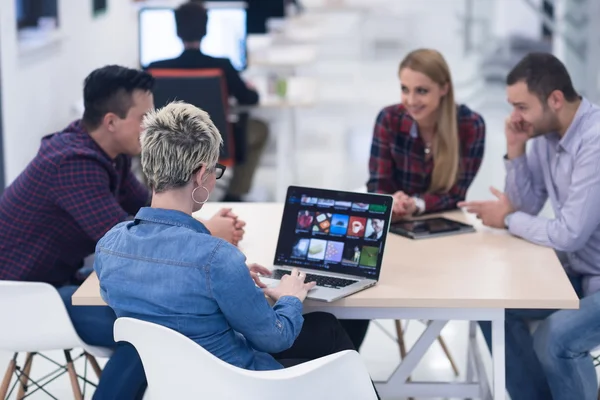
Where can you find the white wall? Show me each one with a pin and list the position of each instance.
(40, 88)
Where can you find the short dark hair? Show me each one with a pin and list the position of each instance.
(191, 19)
(543, 73)
(108, 90)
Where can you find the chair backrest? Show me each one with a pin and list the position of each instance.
(177, 367)
(34, 318)
(203, 88)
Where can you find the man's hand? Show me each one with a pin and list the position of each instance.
(517, 135)
(226, 225)
(404, 206)
(491, 212)
(239, 224)
(256, 271)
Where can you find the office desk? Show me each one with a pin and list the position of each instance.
(465, 277)
(291, 32)
(327, 6)
(302, 92)
(281, 56)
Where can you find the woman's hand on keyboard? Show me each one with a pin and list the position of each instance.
(291, 285)
(256, 271)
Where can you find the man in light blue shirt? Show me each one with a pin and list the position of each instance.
(562, 164)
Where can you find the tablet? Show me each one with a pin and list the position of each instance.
(430, 227)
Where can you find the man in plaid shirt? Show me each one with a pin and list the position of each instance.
(77, 188)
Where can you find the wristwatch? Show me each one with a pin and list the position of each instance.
(420, 204)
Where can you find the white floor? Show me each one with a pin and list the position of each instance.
(358, 76)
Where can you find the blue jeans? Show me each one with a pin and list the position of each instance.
(123, 377)
(554, 362)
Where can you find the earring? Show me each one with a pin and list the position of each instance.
(207, 195)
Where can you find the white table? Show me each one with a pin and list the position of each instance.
(472, 277)
(281, 57)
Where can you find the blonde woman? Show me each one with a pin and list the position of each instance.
(427, 150)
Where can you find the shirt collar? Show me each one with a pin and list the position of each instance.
(569, 141)
(170, 217)
(78, 128)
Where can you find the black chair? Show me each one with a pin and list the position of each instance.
(203, 88)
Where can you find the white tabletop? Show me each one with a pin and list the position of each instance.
(301, 92)
(287, 56)
(486, 269)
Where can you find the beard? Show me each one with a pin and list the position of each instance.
(548, 123)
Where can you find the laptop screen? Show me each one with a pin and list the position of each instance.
(340, 232)
(225, 36)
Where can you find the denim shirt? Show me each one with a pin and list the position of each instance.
(165, 267)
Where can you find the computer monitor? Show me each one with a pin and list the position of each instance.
(225, 34)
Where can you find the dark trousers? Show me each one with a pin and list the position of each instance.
(356, 330)
(322, 334)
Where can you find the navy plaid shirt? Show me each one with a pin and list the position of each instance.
(398, 161)
(67, 198)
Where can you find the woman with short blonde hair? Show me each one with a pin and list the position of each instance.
(180, 143)
(165, 267)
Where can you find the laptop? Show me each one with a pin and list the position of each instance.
(336, 238)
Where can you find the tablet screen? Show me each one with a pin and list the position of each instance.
(432, 225)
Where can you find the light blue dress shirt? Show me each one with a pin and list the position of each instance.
(567, 171)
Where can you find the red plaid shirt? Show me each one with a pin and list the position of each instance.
(67, 198)
(398, 157)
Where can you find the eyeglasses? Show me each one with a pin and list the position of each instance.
(219, 171)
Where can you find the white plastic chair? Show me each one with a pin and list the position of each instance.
(34, 320)
(178, 368)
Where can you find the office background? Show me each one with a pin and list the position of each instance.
(42, 70)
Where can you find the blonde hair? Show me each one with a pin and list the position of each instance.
(177, 140)
(445, 140)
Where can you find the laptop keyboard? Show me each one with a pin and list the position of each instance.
(325, 281)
